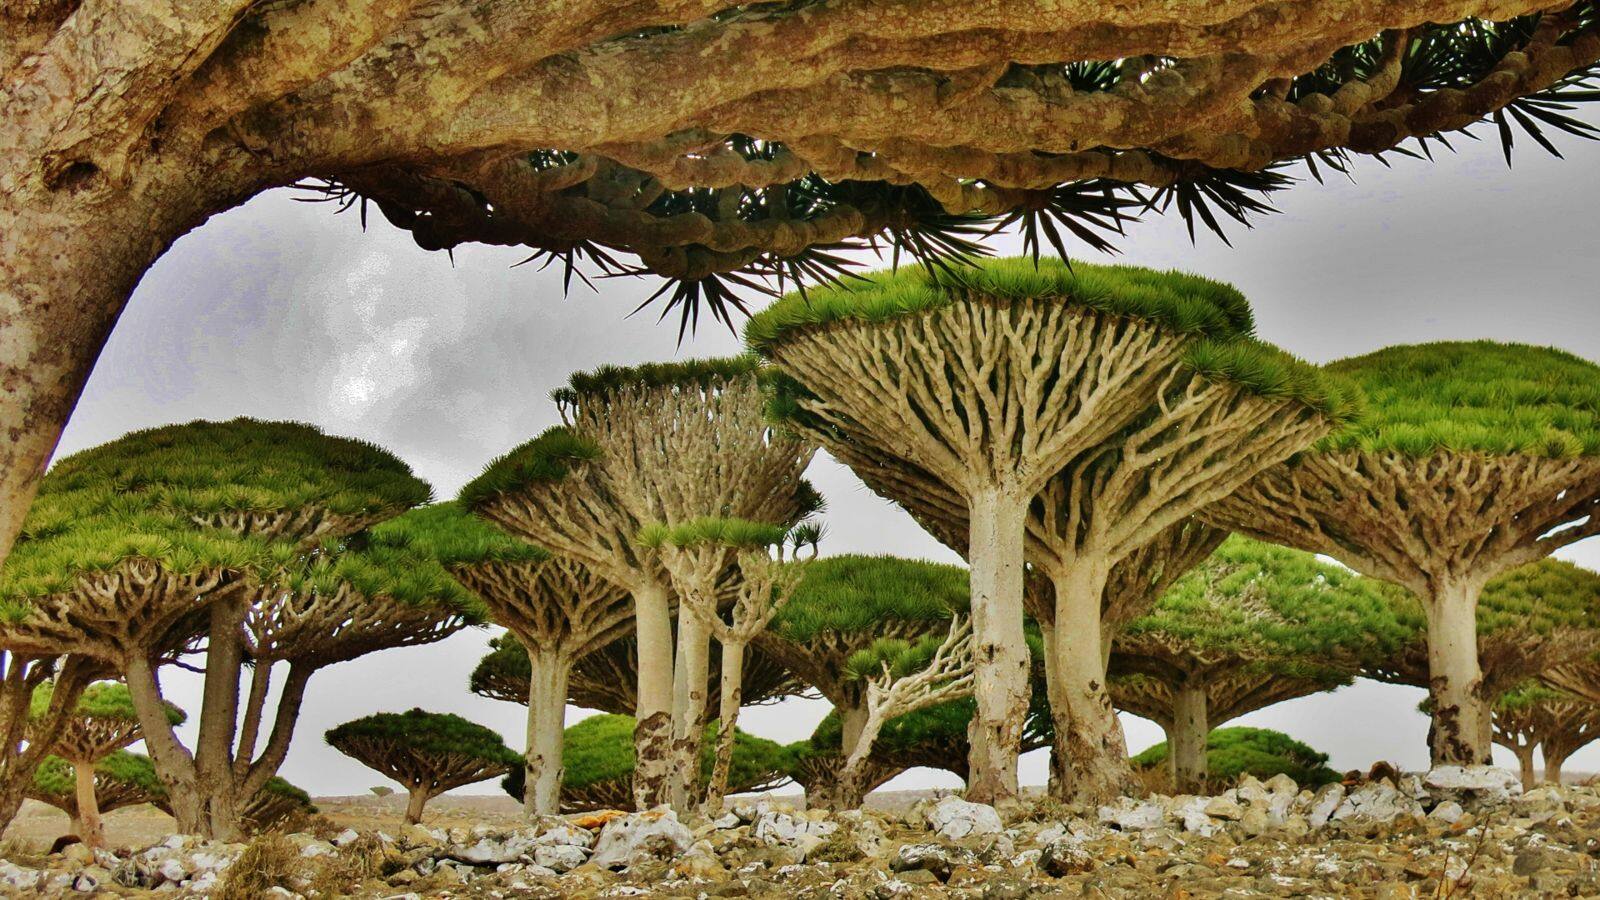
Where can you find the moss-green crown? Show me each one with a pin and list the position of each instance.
(1261, 599)
(712, 531)
(695, 373)
(600, 748)
(101, 700)
(1236, 751)
(385, 566)
(454, 537)
(55, 776)
(1186, 303)
(1473, 397)
(427, 732)
(1530, 694)
(854, 594)
(547, 458)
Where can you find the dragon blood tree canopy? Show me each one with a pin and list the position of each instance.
(121, 779)
(1261, 752)
(428, 753)
(1474, 458)
(1533, 717)
(598, 760)
(1253, 625)
(1142, 392)
(1539, 618)
(102, 721)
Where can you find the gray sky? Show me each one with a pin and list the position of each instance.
(283, 310)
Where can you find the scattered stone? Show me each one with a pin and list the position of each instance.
(954, 819)
(630, 839)
(1065, 856)
(1468, 784)
(1129, 814)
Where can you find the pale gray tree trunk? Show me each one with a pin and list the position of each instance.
(89, 827)
(1460, 731)
(1000, 651)
(1086, 724)
(689, 706)
(1190, 728)
(730, 698)
(547, 709)
(652, 736)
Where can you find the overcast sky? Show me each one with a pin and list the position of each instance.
(284, 310)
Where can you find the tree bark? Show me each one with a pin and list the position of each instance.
(1524, 754)
(652, 735)
(547, 708)
(1190, 728)
(171, 760)
(219, 715)
(1060, 775)
(1459, 733)
(417, 799)
(1553, 761)
(19, 676)
(1087, 725)
(1000, 652)
(730, 697)
(689, 706)
(852, 720)
(90, 829)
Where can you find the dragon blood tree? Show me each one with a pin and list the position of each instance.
(235, 531)
(428, 753)
(1141, 392)
(1475, 458)
(697, 554)
(1253, 625)
(103, 722)
(844, 605)
(1261, 752)
(657, 443)
(1537, 717)
(598, 761)
(607, 679)
(119, 779)
(1532, 621)
(556, 611)
(502, 124)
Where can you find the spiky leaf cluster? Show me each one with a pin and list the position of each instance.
(548, 457)
(101, 700)
(427, 733)
(857, 595)
(447, 533)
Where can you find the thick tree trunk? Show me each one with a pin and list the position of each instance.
(1524, 754)
(1190, 728)
(219, 715)
(1087, 725)
(1060, 775)
(730, 698)
(19, 676)
(1000, 648)
(652, 735)
(1553, 761)
(547, 709)
(171, 760)
(89, 829)
(1460, 731)
(417, 799)
(852, 719)
(689, 706)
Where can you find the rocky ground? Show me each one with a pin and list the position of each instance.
(1449, 833)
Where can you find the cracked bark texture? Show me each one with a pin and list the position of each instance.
(1439, 525)
(559, 127)
(560, 611)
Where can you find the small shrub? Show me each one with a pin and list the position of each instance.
(382, 790)
(269, 861)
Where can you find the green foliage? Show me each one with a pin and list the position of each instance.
(450, 534)
(281, 788)
(1473, 397)
(858, 594)
(426, 733)
(1535, 599)
(387, 563)
(506, 661)
(1236, 751)
(101, 700)
(549, 457)
(1185, 303)
(1265, 601)
(1267, 371)
(55, 776)
(714, 531)
(692, 373)
(600, 748)
(1527, 695)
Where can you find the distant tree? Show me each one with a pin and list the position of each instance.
(698, 554)
(556, 609)
(844, 605)
(250, 534)
(1232, 752)
(1531, 621)
(608, 679)
(103, 722)
(661, 442)
(120, 779)
(598, 763)
(1139, 392)
(428, 753)
(1536, 717)
(1474, 458)
(1254, 625)
(277, 805)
